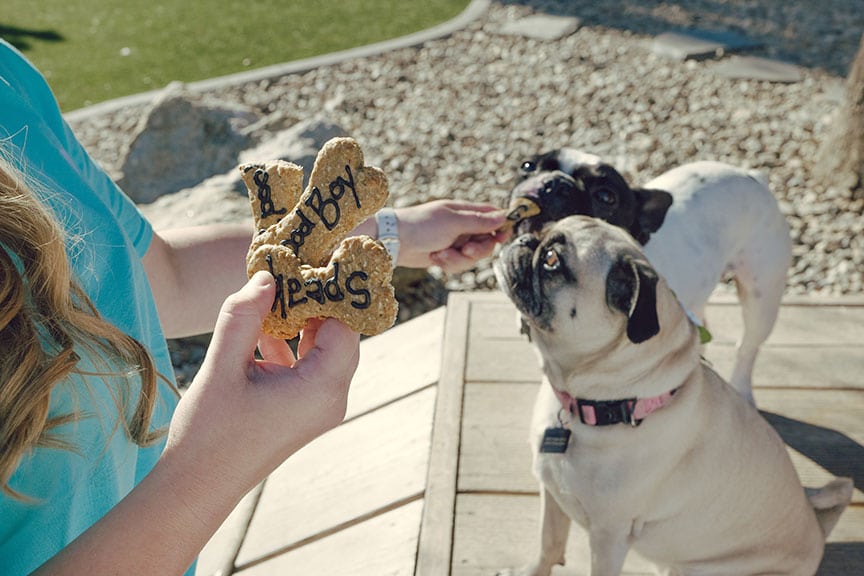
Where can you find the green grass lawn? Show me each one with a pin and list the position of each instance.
(95, 50)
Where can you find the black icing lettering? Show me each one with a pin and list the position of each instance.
(317, 291)
(328, 209)
(294, 288)
(325, 207)
(268, 208)
(365, 296)
(298, 235)
(279, 299)
(331, 287)
(341, 183)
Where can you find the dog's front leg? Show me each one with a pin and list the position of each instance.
(608, 550)
(554, 529)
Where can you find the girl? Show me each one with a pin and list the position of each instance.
(103, 469)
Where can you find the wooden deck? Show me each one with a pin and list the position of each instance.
(430, 474)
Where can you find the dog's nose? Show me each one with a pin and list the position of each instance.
(549, 183)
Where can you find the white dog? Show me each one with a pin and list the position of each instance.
(696, 222)
(635, 438)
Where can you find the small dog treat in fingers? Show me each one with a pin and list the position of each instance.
(520, 209)
(274, 189)
(354, 287)
(342, 193)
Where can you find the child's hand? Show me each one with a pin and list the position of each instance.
(448, 233)
(243, 416)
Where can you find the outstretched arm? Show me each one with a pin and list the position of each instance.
(192, 270)
(451, 234)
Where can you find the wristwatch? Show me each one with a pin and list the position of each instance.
(388, 232)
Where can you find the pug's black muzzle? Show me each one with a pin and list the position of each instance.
(515, 269)
(556, 193)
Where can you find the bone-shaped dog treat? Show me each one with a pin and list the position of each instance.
(520, 209)
(299, 231)
(274, 189)
(342, 192)
(355, 287)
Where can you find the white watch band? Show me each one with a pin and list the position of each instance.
(388, 232)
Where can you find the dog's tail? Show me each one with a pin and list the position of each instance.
(829, 502)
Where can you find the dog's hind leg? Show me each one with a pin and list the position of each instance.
(760, 290)
(554, 529)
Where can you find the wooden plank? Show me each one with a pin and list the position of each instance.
(398, 362)
(359, 469)
(822, 323)
(499, 531)
(495, 455)
(797, 366)
(386, 544)
(844, 552)
(812, 322)
(499, 317)
(436, 531)
(824, 430)
(502, 361)
(796, 325)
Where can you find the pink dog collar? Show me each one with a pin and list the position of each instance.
(607, 412)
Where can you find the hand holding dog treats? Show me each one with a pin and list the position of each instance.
(520, 208)
(352, 284)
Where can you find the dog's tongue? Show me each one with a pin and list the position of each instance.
(520, 208)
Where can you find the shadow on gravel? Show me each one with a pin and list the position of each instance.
(815, 35)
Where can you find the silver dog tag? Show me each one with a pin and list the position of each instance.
(555, 440)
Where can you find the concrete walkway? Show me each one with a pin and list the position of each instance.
(430, 474)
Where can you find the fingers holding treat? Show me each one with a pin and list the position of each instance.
(354, 287)
(520, 209)
(342, 193)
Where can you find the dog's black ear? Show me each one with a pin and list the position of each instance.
(631, 288)
(651, 208)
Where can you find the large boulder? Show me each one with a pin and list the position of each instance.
(183, 139)
(223, 197)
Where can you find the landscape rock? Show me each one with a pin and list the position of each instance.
(181, 140)
(223, 197)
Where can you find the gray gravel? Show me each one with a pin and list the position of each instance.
(456, 116)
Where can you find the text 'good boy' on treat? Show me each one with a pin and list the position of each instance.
(299, 230)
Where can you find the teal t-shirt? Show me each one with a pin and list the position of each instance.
(73, 489)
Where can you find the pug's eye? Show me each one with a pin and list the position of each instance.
(605, 196)
(551, 261)
(528, 167)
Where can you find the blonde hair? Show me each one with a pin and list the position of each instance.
(44, 314)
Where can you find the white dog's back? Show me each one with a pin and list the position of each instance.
(740, 230)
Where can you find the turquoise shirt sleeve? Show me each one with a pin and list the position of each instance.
(107, 237)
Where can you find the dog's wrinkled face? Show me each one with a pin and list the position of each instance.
(567, 182)
(580, 285)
